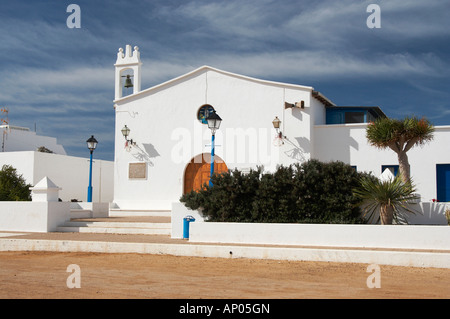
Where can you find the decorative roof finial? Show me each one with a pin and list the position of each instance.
(128, 57)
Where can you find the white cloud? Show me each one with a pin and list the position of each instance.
(63, 86)
(74, 77)
(303, 65)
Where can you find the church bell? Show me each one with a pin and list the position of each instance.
(128, 83)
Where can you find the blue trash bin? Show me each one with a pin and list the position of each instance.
(186, 221)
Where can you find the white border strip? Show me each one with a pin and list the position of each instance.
(381, 257)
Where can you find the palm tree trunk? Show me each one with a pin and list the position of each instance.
(404, 166)
(386, 214)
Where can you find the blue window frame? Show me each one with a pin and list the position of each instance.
(443, 182)
(393, 168)
(347, 115)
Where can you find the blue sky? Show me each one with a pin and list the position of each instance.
(62, 79)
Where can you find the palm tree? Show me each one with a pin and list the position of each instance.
(400, 136)
(385, 200)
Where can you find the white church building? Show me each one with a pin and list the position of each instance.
(166, 148)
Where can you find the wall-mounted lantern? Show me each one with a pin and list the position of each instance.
(126, 132)
(276, 125)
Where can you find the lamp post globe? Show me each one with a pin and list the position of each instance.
(92, 143)
(214, 121)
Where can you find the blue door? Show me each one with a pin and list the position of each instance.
(443, 182)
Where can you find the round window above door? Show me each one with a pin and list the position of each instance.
(204, 112)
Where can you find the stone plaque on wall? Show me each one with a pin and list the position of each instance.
(137, 171)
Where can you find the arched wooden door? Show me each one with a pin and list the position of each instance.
(198, 170)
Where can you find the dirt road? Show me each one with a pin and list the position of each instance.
(125, 276)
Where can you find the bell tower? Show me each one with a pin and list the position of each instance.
(128, 61)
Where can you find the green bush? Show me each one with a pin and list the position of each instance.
(312, 192)
(229, 199)
(13, 186)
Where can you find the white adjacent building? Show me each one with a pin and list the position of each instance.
(16, 139)
(19, 149)
(167, 150)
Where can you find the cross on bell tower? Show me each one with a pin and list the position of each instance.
(128, 61)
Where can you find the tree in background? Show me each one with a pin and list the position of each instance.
(400, 136)
(13, 186)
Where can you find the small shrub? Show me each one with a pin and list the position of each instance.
(43, 149)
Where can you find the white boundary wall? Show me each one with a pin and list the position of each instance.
(33, 216)
(428, 213)
(351, 236)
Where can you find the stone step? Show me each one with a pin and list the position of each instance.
(116, 224)
(117, 212)
(81, 213)
(116, 227)
(127, 219)
(110, 230)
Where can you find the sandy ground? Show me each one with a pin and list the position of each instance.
(125, 276)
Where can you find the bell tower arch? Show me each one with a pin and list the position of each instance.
(130, 60)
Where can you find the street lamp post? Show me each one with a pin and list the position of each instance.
(214, 121)
(91, 144)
